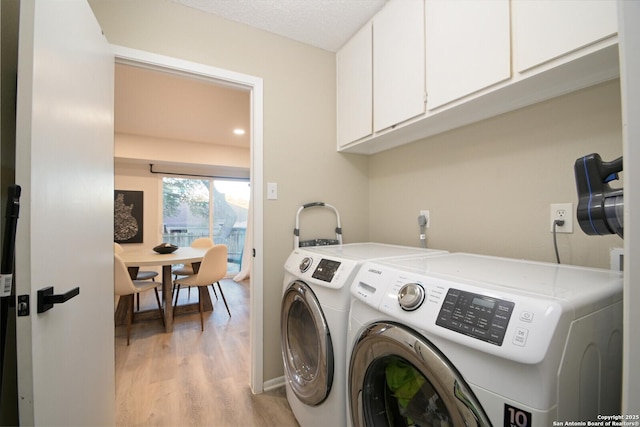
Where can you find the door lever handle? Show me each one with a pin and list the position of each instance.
(46, 298)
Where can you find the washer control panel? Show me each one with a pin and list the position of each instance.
(508, 322)
(411, 296)
(476, 315)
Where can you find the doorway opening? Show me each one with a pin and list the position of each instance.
(254, 85)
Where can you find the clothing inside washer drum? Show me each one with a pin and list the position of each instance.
(416, 398)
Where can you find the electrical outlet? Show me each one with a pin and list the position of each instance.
(564, 212)
(426, 215)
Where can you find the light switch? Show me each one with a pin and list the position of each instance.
(272, 191)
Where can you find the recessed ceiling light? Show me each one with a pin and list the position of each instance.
(238, 131)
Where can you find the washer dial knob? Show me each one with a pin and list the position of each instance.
(411, 296)
(305, 264)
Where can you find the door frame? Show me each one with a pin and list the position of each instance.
(254, 85)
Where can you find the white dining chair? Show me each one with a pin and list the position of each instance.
(126, 288)
(140, 275)
(213, 268)
(187, 269)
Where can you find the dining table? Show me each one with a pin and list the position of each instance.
(143, 257)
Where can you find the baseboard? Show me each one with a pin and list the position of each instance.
(273, 384)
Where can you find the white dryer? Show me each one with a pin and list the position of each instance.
(465, 339)
(314, 317)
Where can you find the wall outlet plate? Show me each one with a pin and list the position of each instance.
(562, 211)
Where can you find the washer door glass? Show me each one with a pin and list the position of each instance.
(398, 378)
(307, 350)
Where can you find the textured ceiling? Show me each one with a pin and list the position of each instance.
(326, 24)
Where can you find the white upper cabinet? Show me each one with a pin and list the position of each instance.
(547, 29)
(472, 60)
(468, 47)
(398, 63)
(354, 82)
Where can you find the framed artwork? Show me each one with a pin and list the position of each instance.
(128, 216)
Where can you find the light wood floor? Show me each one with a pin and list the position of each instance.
(194, 378)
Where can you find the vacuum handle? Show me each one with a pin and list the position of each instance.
(9, 243)
(599, 209)
(610, 169)
(592, 174)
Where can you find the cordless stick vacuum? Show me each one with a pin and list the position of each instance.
(600, 207)
(6, 269)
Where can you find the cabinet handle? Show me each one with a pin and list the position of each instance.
(46, 298)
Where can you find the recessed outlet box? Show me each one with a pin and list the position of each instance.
(562, 212)
(426, 215)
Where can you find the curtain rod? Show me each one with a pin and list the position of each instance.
(235, 178)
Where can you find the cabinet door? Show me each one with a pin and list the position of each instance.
(547, 29)
(398, 63)
(355, 87)
(467, 47)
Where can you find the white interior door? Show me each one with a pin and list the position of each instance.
(64, 164)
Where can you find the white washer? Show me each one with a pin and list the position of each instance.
(314, 317)
(480, 340)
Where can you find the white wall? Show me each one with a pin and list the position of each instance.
(299, 124)
(488, 186)
(154, 150)
(523, 159)
(136, 177)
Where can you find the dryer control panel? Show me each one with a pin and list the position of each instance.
(326, 269)
(476, 315)
(325, 272)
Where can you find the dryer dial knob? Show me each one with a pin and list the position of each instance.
(305, 264)
(411, 296)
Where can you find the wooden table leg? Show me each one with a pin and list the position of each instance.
(193, 307)
(203, 293)
(167, 297)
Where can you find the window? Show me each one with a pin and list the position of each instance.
(197, 207)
